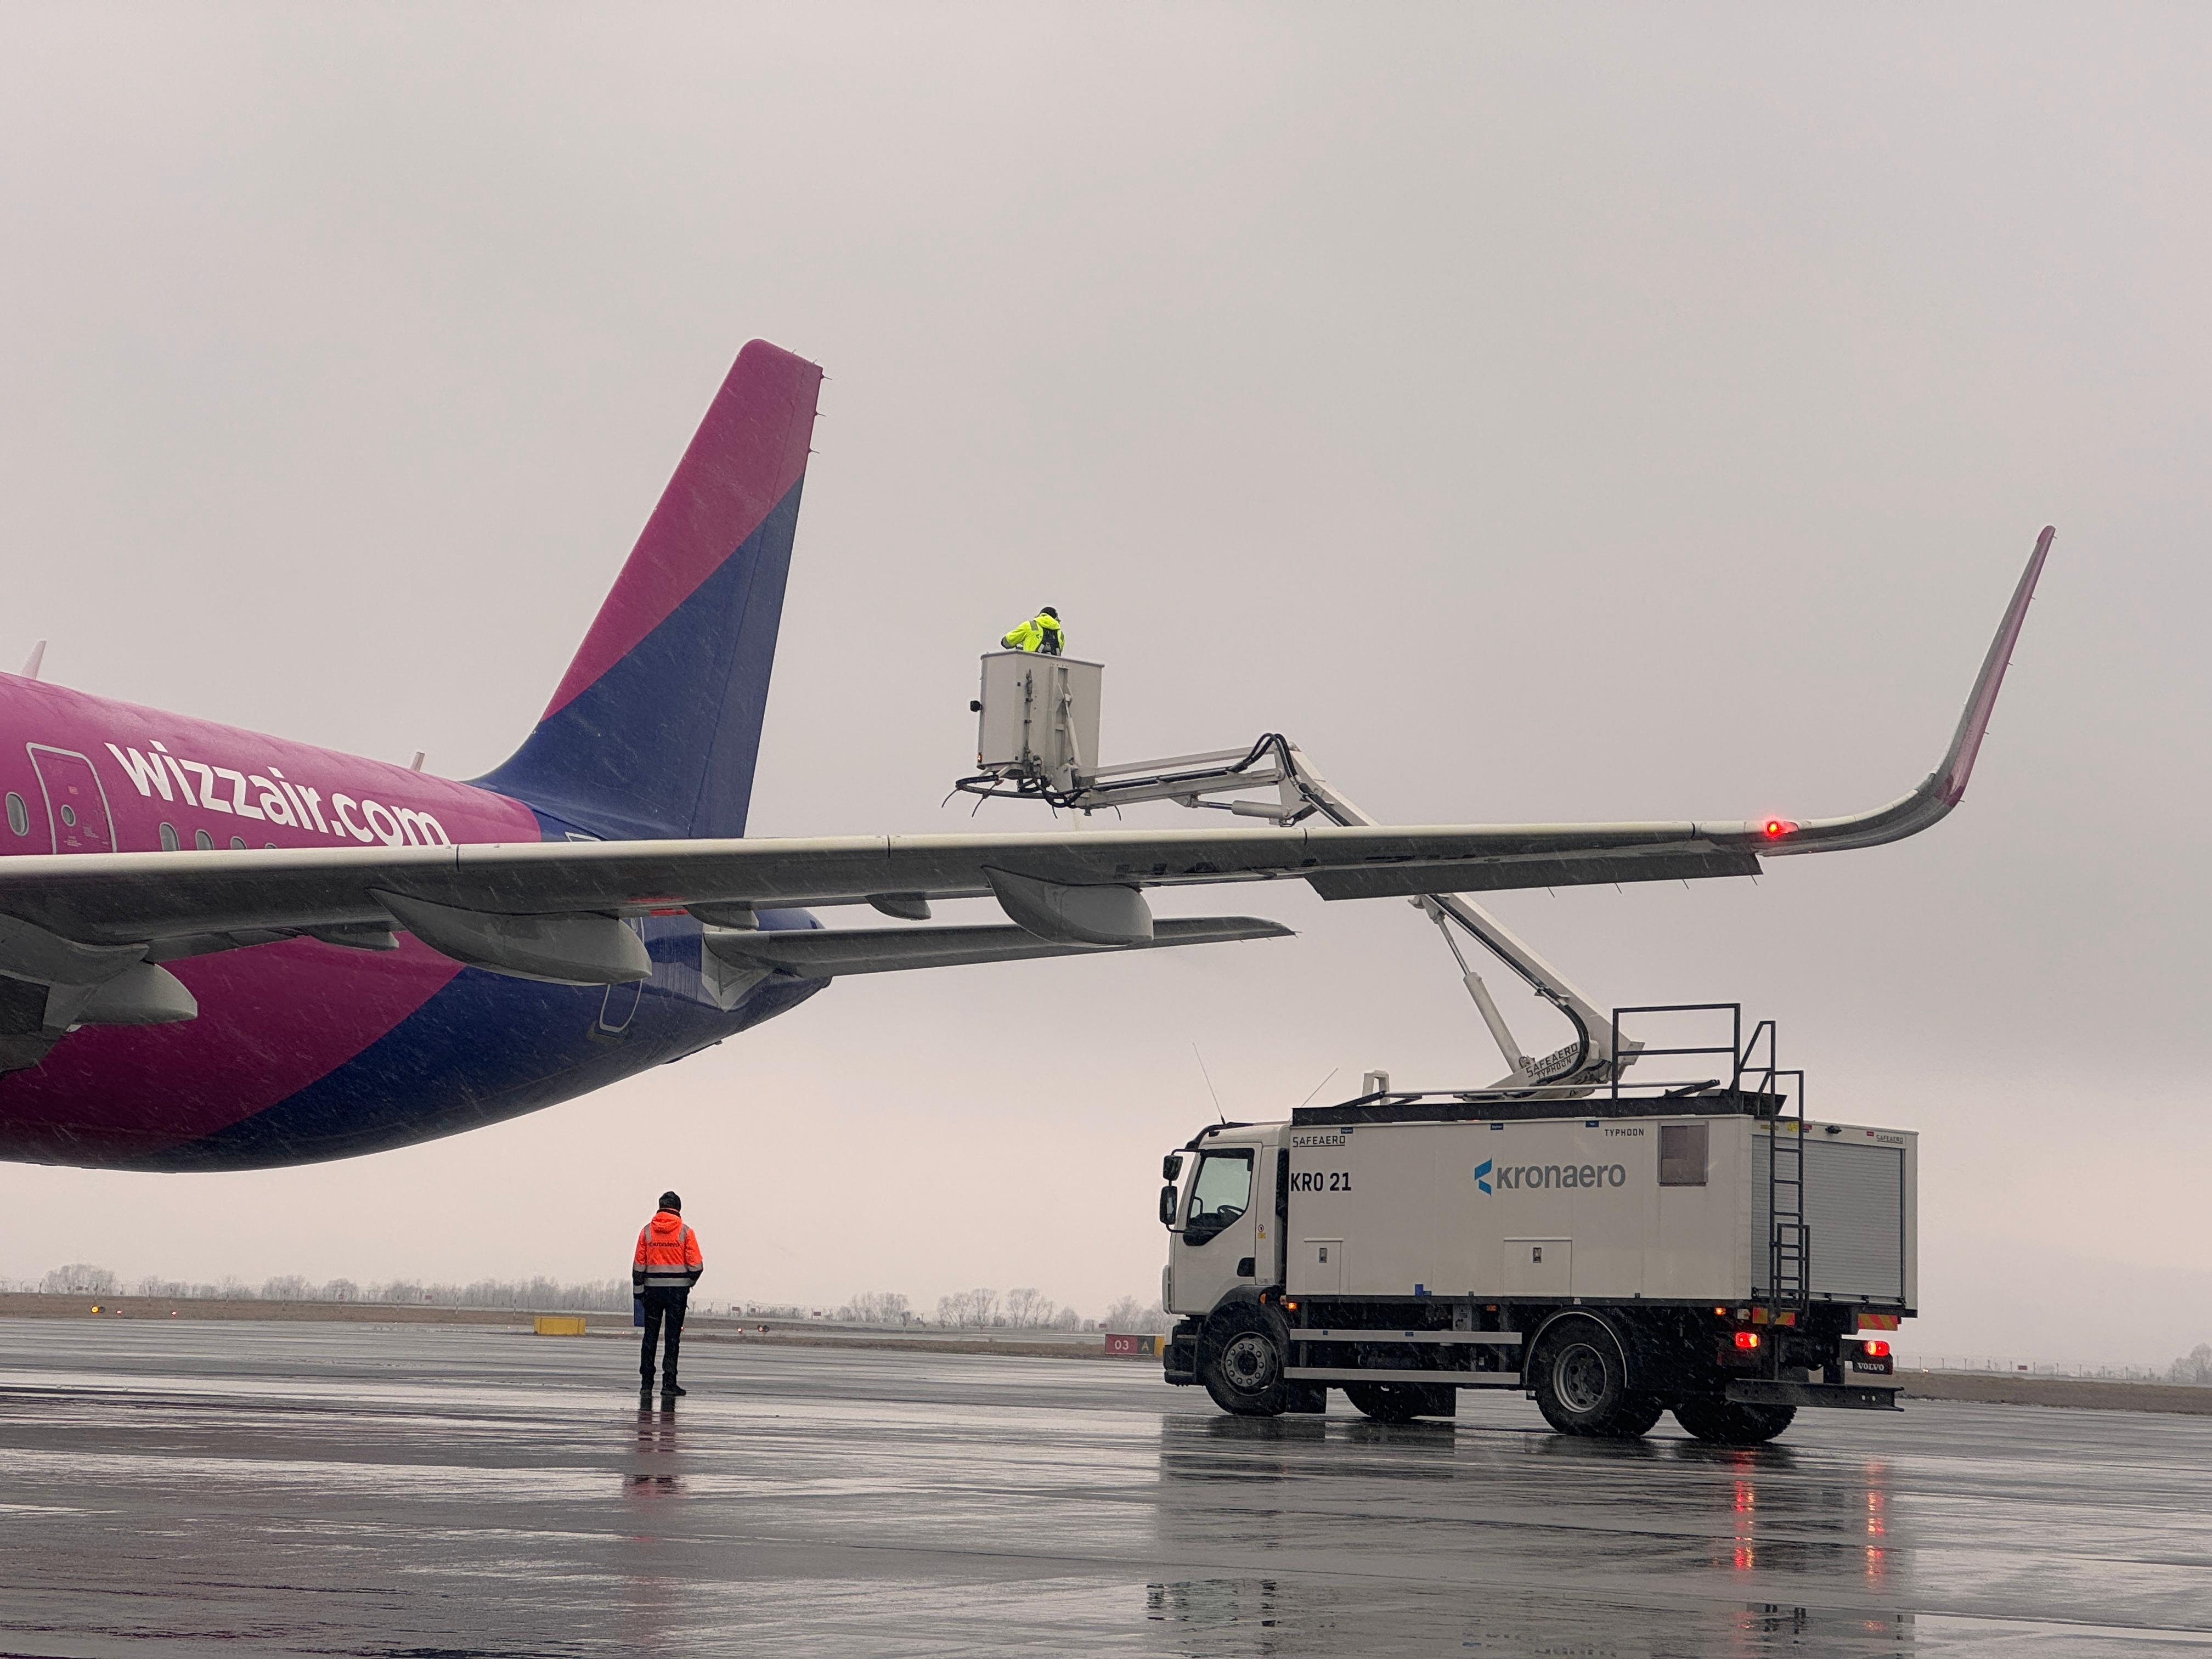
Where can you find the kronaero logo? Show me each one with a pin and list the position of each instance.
(1528, 1177)
(275, 799)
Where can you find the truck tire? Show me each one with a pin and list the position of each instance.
(1580, 1379)
(1399, 1402)
(1241, 1362)
(1636, 1415)
(1725, 1422)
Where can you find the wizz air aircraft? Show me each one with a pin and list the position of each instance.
(224, 951)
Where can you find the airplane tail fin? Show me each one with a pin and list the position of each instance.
(653, 730)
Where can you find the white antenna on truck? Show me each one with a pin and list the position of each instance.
(1210, 1089)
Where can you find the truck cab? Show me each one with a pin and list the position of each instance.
(1225, 1238)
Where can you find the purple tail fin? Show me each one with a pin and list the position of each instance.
(655, 727)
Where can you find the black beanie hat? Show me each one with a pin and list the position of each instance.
(671, 1202)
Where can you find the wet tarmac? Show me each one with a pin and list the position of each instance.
(434, 1492)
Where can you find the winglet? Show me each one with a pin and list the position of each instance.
(1943, 788)
(1950, 778)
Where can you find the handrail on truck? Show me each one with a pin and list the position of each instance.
(1788, 1287)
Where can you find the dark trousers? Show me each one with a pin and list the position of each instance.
(664, 1310)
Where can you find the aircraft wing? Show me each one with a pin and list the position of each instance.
(553, 911)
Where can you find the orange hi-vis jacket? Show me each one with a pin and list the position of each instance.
(668, 1256)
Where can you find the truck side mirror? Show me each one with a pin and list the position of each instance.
(1171, 1167)
(1168, 1205)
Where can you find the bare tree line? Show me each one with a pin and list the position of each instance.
(1024, 1308)
(606, 1295)
(1028, 1309)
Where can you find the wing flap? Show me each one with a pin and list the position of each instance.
(1405, 880)
(826, 953)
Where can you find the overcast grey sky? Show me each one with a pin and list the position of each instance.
(1538, 412)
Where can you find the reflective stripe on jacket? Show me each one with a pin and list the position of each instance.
(667, 1257)
(1039, 633)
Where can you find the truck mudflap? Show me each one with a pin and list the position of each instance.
(1848, 1396)
(1179, 1354)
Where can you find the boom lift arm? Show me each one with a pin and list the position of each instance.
(1039, 740)
(1593, 1059)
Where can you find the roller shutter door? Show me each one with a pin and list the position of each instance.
(1855, 1210)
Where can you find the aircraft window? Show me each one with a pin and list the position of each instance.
(69, 815)
(18, 819)
(1219, 1196)
(168, 838)
(204, 841)
(238, 844)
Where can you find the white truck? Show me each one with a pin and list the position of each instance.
(1705, 1250)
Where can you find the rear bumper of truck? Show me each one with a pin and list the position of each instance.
(1847, 1396)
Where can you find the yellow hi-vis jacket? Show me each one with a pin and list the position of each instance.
(1039, 633)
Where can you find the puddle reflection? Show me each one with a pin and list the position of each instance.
(653, 1472)
(1475, 1520)
(1804, 1523)
(1293, 1616)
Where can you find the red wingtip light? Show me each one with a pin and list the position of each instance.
(1778, 827)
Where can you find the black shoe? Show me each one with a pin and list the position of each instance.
(671, 1390)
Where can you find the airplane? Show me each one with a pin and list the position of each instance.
(221, 950)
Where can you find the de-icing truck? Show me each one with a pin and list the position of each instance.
(1705, 1249)
(1616, 1251)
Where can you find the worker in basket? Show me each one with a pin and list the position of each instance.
(1041, 633)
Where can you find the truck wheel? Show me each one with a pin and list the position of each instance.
(1725, 1422)
(1581, 1380)
(1638, 1412)
(1240, 1363)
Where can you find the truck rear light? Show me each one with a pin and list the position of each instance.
(1873, 1355)
(1746, 1339)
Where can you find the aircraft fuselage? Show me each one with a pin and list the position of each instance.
(303, 1050)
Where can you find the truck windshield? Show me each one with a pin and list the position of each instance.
(1218, 1195)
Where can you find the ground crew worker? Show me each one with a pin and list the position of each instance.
(667, 1265)
(1041, 633)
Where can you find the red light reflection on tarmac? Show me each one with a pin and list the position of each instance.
(1877, 1523)
(1745, 1506)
